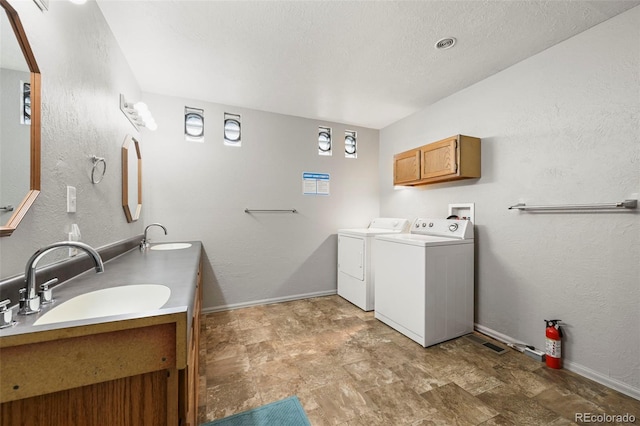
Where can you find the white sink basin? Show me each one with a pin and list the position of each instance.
(171, 246)
(127, 299)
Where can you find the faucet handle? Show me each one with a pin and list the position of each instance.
(46, 293)
(28, 305)
(6, 315)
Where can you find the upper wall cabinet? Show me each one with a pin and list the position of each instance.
(406, 167)
(454, 158)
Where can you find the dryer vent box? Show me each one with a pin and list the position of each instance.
(464, 211)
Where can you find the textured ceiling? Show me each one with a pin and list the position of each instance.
(367, 63)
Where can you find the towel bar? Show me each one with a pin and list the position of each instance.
(626, 204)
(271, 211)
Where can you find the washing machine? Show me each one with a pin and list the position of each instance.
(356, 279)
(424, 280)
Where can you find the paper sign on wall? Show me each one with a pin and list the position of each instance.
(315, 183)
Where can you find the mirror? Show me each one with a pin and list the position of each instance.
(131, 179)
(19, 122)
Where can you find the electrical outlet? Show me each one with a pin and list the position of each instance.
(71, 199)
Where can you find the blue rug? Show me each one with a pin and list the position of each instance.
(287, 412)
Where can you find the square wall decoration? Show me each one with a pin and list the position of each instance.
(350, 144)
(324, 140)
(232, 129)
(193, 124)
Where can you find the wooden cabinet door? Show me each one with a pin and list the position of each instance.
(439, 159)
(406, 167)
(193, 381)
(189, 377)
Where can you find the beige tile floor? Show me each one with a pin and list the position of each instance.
(347, 368)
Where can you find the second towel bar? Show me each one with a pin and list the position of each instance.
(271, 211)
(626, 204)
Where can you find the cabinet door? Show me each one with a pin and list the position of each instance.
(193, 365)
(406, 167)
(439, 158)
(189, 377)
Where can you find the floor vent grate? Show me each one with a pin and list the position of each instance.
(482, 342)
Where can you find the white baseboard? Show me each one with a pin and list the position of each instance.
(602, 379)
(571, 366)
(496, 335)
(232, 306)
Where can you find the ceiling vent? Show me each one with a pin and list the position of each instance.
(445, 43)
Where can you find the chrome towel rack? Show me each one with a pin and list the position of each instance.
(97, 172)
(626, 204)
(271, 211)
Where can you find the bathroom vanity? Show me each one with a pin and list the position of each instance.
(135, 368)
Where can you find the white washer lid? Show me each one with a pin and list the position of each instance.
(380, 225)
(422, 240)
(366, 232)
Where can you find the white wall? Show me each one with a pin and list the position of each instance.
(83, 73)
(200, 190)
(560, 127)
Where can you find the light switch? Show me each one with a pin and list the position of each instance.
(71, 199)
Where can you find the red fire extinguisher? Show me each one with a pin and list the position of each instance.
(553, 353)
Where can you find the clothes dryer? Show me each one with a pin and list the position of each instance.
(356, 279)
(424, 280)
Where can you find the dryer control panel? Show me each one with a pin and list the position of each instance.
(460, 229)
(395, 224)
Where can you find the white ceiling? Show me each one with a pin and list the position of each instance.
(366, 63)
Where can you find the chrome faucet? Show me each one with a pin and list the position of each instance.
(144, 244)
(29, 300)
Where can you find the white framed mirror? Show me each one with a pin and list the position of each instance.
(131, 179)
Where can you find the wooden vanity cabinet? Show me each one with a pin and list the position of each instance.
(188, 377)
(137, 372)
(454, 158)
(117, 374)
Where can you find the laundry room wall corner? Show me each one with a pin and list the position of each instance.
(200, 191)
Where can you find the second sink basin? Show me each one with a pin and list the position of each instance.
(171, 246)
(121, 300)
